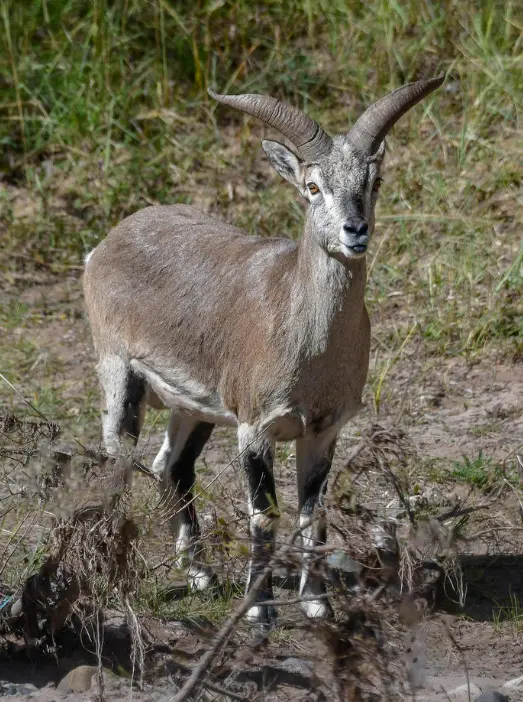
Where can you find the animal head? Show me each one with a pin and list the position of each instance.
(340, 177)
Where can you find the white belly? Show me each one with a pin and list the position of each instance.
(179, 391)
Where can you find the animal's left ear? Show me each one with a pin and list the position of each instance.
(285, 162)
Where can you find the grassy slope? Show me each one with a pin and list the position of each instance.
(103, 110)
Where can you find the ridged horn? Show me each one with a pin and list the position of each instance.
(373, 125)
(308, 137)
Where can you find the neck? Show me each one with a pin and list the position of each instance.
(327, 295)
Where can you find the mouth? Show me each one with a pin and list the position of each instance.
(349, 248)
(359, 248)
(355, 251)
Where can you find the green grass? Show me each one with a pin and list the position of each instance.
(153, 598)
(481, 472)
(509, 615)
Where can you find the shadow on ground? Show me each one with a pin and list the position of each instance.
(494, 586)
(73, 647)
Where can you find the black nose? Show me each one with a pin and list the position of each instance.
(357, 226)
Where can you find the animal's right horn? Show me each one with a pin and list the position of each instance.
(372, 127)
(310, 140)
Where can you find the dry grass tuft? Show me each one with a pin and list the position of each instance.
(363, 665)
(90, 561)
(388, 570)
(378, 448)
(414, 552)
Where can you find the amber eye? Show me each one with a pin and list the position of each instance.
(377, 185)
(313, 188)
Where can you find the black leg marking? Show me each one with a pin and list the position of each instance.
(314, 486)
(314, 460)
(180, 481)
(258, 468)
(133, 407)
(183, 475)
(257, 461)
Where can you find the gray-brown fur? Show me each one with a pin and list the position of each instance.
(267, 334)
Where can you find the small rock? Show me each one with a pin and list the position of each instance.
(340, 560)
(465, 692)
(452, 86)
(10, 689)
(78, 680)
(111, 681)
(491, 697)
(515, 682)
(296, 666)
(16, 607)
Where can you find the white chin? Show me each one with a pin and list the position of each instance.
(345, 252)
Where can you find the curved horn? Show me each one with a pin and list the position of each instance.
(372, 127)
(307, 136)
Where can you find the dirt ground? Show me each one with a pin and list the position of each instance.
(449, 408)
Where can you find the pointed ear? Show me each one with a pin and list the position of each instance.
(285, 162)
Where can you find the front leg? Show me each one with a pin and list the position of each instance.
(313, 463)
(257, 456)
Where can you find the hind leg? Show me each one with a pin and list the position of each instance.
(125, 404)
(183, 443)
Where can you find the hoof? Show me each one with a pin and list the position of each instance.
(265, 615)
(200, 579)
(317, 609)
